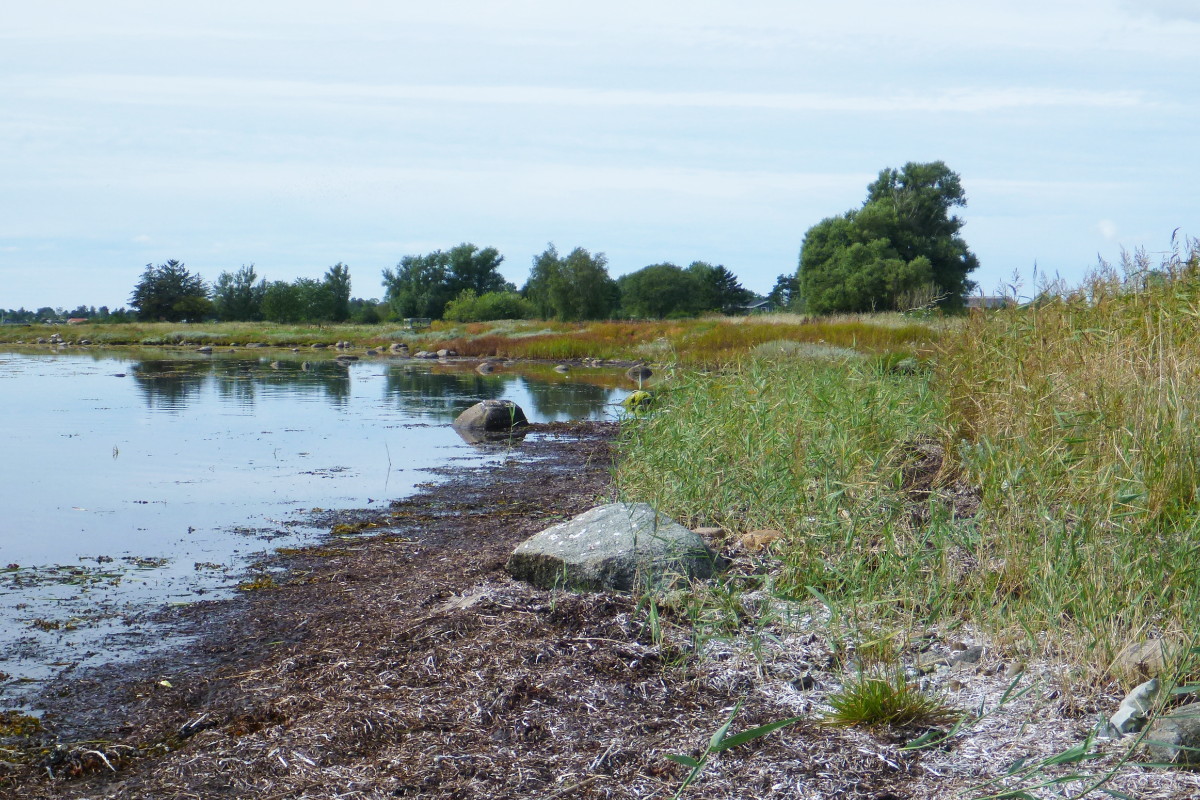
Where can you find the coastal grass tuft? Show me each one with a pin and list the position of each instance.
(887, 699)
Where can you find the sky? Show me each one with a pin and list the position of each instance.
(295, 135)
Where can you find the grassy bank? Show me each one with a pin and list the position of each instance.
(696, 341)
(1038, 482)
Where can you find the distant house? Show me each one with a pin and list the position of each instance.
(989, 302)
(759, 307)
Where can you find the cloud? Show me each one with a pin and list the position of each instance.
(1107, 229)
(1166, 10)
(141, 239)
(176, 91)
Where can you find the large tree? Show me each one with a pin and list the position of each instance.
(902, 242)
(237, 296)
(719, 288)
(572, 288)
(660, 290)
(171, 293)
(422, 285)
(337, 293)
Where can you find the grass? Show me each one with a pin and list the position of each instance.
(707, 341)
(887, 700)
(1072, 422)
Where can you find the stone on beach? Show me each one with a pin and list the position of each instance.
(616, 546)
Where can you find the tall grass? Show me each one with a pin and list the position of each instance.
(1073, 419)
(1077, 418)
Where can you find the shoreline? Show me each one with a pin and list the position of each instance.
(405, 662)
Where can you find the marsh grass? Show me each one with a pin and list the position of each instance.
(1073, 420)
(708, 341)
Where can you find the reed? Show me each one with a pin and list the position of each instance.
(1069, 425)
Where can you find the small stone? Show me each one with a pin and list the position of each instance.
(755, 541)
(639, 373)
(1014, 669)
(954, 685)
(968, 655)
(1134, 710)
(1143, 660)
(1174, 738)
(804, 683)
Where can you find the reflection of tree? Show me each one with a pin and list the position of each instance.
(442, 395)
(440, 392)
(169, 384)
(565, 399)
(235, 381)
(172, 384)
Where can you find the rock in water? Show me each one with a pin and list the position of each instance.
(1174, 738)
(616, 546)
(498, 416)
(639, 373)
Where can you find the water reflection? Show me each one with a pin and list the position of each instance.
(173, 384)
(437, 391)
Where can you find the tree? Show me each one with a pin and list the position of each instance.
(422, 285)
(902, 239)
(237, 297)
(720, 289)
(660, 290)
(573, 288)
(337, 293)
(282, 302)
(785, 292)
(169, 292)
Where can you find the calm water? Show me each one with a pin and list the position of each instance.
(134, 479)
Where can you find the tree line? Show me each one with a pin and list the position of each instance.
(900, 250)
(461, 284)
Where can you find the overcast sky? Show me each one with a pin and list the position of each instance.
(293, 135)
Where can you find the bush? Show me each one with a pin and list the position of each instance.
(469, 307)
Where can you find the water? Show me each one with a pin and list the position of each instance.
(133, 479)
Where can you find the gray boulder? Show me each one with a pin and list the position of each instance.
(492, 416)
(1174, 738)
(617, 546)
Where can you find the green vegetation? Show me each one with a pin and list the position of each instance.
(422, 285)
(471, 307)
(667, 291)
(573, 288)
(1036, 477)
(901, 250)
(887, 700)
(711, 341)
(171, 293)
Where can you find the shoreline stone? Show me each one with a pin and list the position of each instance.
(616, 546)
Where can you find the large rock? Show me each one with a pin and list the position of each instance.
(1174, 738)
(616, 546)
(491, 416)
